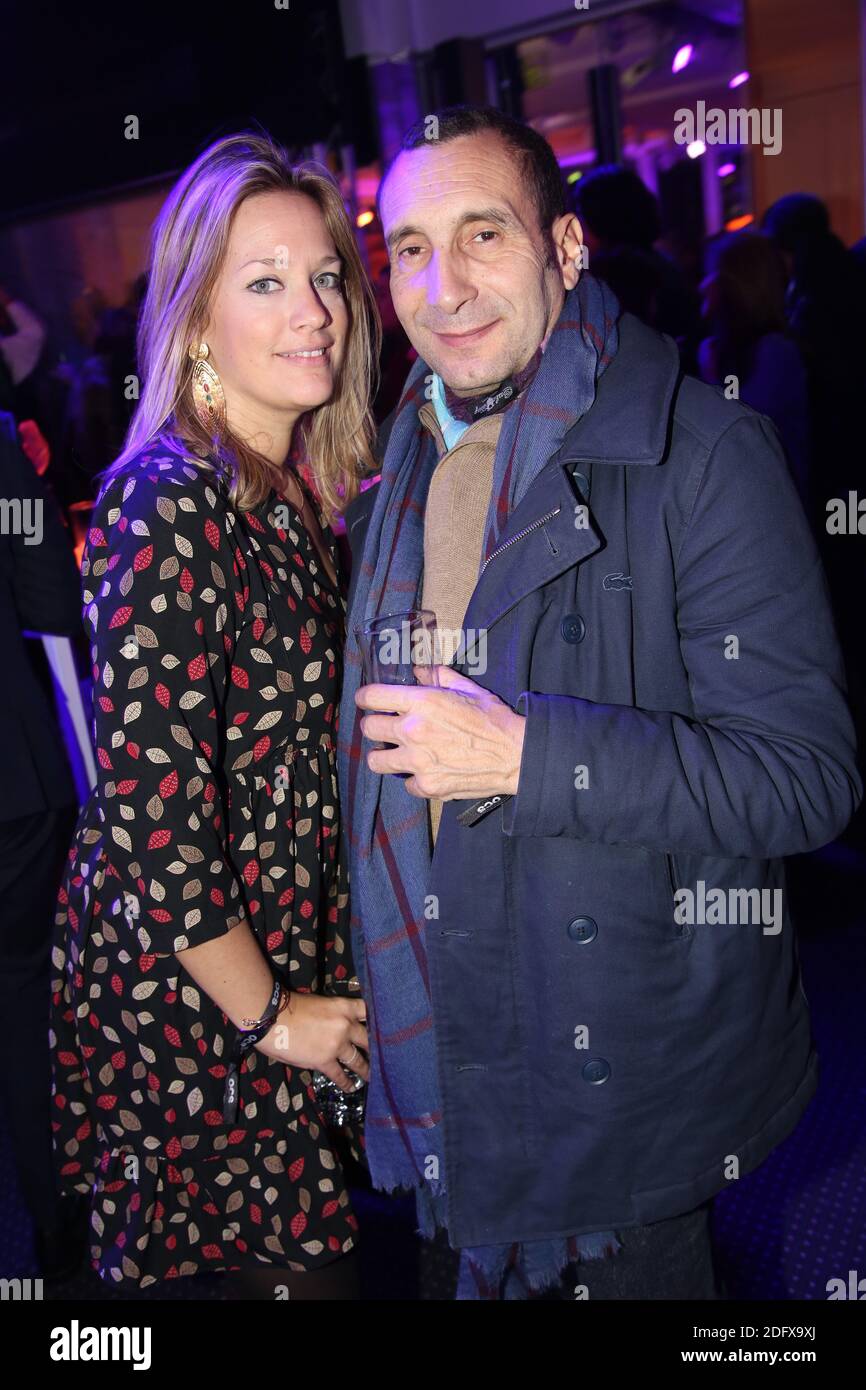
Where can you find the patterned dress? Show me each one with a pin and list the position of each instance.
(216, 655)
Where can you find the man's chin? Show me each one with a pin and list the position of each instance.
(469, 379)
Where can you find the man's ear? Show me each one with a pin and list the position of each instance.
(567, 235)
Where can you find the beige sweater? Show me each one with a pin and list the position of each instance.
(454, 517)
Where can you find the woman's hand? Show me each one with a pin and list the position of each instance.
(322, 1033)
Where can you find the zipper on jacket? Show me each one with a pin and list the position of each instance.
(533, 525)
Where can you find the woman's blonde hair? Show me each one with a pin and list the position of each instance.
(188, 247)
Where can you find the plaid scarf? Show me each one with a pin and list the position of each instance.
(387, 828)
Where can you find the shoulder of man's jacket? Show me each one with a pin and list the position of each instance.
(697, 415)
(705, 413)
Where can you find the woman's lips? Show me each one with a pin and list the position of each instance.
(321, 356)
(466, 339)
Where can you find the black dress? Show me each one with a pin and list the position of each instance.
(216, 648)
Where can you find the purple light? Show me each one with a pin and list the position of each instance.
(682, 57)
(738, 79)
(725, 169)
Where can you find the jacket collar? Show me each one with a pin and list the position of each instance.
(630, 418)
(628, 423)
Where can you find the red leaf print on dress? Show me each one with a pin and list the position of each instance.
(196, 668)
(122, 616)
(168, 785)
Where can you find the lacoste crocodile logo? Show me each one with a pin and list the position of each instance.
(616, 581)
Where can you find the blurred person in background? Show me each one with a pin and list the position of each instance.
(825, 305)
(39, 590)
(621, 224)
(22, 338)
(749, 348)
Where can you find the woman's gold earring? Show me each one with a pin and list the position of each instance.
(207, 392)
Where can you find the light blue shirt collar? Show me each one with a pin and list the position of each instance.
(452, 428)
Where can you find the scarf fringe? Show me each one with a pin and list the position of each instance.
(520, 1270)
(527, 1268)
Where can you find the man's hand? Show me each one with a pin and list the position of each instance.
(458, 742)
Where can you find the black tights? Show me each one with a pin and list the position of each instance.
(337, 1280)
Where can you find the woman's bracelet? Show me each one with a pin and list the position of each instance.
(246, 1040)
(250, 1025)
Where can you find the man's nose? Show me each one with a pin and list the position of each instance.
(447, 285)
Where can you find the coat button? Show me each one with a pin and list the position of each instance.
(583, 929)
(596, 1071)
(572, 627)
(582, 484)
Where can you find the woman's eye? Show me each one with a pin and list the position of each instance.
(265, 280)
(335, 280)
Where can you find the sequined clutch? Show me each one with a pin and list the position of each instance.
(339, 1107)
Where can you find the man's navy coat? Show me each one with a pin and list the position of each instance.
(657, 610)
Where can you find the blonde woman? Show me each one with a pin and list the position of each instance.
(202, 949)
